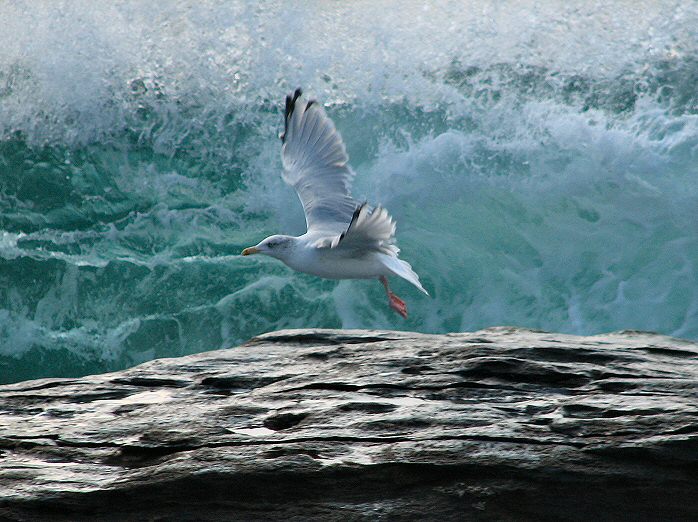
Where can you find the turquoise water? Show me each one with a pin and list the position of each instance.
(541, 163)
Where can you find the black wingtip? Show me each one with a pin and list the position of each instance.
(290, 106)
(354, 217)
(357, 211)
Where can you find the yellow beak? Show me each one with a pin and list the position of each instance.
(249, 251)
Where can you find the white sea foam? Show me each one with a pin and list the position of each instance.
(539, 160)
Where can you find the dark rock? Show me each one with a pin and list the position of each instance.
(503, 424)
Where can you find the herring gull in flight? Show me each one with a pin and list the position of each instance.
(345, 239)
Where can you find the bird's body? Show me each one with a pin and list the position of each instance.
(345, 239)
(335, 263)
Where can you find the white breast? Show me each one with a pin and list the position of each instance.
(331, 264)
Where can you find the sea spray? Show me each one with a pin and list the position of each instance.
(540, 162)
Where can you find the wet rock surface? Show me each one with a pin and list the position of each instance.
(503, 424)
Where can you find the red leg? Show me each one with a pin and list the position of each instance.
(394, 301)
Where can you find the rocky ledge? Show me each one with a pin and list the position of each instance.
(504, 424)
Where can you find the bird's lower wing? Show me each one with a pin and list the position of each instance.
(370, 230)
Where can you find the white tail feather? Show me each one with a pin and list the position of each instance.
(402, 269)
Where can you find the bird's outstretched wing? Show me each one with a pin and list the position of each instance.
(315, 164)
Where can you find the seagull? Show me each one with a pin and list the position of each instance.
(345, 239)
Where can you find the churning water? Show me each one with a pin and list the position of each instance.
(541, 162)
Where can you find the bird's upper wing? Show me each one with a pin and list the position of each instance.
(315, 164)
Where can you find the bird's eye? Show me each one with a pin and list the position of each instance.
(271, 244)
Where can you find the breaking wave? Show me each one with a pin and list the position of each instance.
(540, 162)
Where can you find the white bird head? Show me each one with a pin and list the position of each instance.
(275, 246)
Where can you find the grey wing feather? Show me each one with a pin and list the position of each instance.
(315, 164)
(369, 230)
